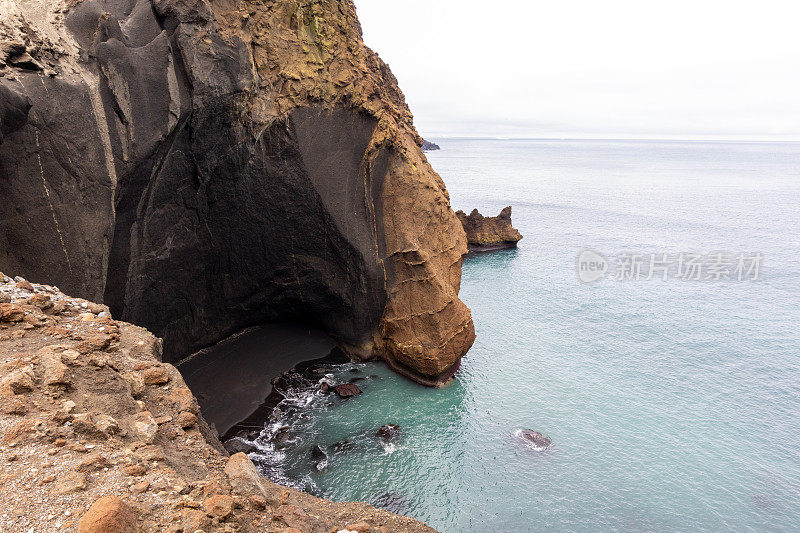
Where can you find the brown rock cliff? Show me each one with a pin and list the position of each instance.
(207, 166)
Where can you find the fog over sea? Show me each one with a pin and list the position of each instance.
(672, 405)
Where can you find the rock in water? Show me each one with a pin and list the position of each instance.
(318, 457)
(389, 433)
(428, 146)
(489, 233)
(237, 445)
(533, 439)
(213, 165)
(347, 390)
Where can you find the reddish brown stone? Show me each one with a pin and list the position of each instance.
(109, 514)
(25, 285)
(11, 313)
(219, 506)
(347, 390)
(157, 375)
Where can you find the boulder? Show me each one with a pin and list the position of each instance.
(237, 445)
(318, 457)
(56, 373)
(187, 420)
(42, 301)
(24, 285)
(69, 483)
(19, 381)
(244, 477)
(156, 375)
(109, 514)
(347, 390)
(107, 424)
(389, 433)
(146, 427)
(219, 506)
(11, 313)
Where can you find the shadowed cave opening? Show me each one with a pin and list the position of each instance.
(233, 379)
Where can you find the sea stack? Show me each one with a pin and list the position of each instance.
(489, 233)
(428, 146)
(202, 167)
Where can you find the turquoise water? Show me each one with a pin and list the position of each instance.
(672, 406)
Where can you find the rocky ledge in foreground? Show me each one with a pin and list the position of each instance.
(98, 435)
(489, 233)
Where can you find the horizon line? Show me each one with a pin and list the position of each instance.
(610, 138)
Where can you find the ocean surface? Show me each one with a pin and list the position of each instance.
(672, 405)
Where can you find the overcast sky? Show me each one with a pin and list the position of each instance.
(587, 68)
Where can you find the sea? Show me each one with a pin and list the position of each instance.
(648, 324)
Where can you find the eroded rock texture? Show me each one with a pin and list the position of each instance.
(206, 166)
(489, 233)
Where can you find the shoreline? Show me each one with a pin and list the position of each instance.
(94, 423)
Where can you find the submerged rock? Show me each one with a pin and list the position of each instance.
(533, 439)
(347, 390)
(392, 502)
(343, 446)
(388, 433)
(489, 233)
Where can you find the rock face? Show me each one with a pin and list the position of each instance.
(489, 233)
(202, 167)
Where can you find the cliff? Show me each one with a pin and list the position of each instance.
(489, 233)
(202, 167)
(98, 435)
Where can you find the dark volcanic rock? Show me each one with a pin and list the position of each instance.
(237, 445)
(489, 233)
(533, 439)
(201, 171)
(14, 108)
(318, 457)
(343, 446)
(347, 390)
(428, 146)
(388, 433)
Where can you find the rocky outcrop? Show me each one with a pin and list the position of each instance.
(98, 435)
(489, 233)
(203, 167)
(533, 439)
(428, 146)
